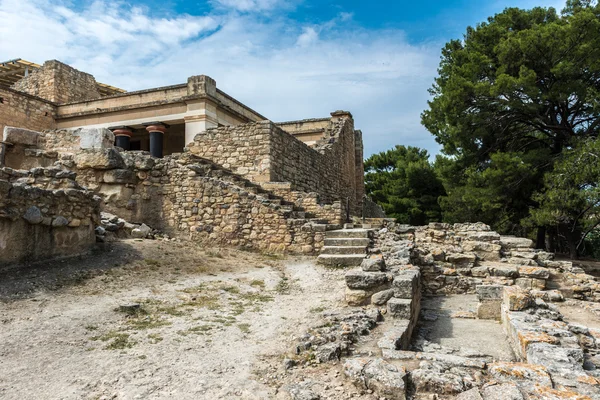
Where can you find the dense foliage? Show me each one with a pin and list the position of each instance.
(516, 108)
(404, 183)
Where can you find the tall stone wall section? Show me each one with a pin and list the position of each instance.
(59, 83)
(264, 153)
(44, 214)
(26, 111)
(242, 149)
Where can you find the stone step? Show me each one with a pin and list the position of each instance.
(340, 260)
(344, 250)
(348, 233)
(347, 241)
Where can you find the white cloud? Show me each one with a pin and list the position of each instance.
(251, 5)
(309, 36)
(283, 70)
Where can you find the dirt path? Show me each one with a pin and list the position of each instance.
(153, 320)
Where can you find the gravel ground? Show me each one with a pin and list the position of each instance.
(152, 320)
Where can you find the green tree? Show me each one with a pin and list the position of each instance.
(521, 87)
(404, 183)
(571, 200)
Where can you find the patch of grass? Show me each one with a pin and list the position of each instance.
(200, 329)
(256, 297)
(214, 253)
(133, 310)
(258, 283)
(283, 286)
(209, 302)
(91, 327)
(148, 322)
(155, 338)
(194, 289)
(317, 309)
(118, 340)
(175, 311)
(151, 261)
(231, 289)
(245, 328)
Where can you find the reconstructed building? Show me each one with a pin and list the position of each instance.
(130, 148)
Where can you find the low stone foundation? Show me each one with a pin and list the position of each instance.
(43, 215)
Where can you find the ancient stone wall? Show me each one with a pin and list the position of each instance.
(59, 83)
(263, 153)
(242, 149)
(44, 214)
(26, 111)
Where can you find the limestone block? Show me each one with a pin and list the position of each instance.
(519, 372)
(557, 359)
(400, 308)
(20, 136)
(373, 264)
(358, 279)
(99, 159)
(489, 292)
(94, 138)
(503, 391)
(484, 250)
(504, 270)
(531, 283)
(513, 242)
(383, 378)
(472, 394)
(406, 284)
(357, 297)
(462, 260)
(534, 272)
(380, 298)
(516, 298)
(490, 309)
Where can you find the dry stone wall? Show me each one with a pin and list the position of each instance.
(44, 214)
(59, 83)
(26, 111)
(264, 153)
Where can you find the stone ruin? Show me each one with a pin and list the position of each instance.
(89, 164)
(518, 287)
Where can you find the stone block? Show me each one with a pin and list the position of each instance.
(516, 298)
(373, 264)
(513, 242)
(489, 292)
(534, 272)
(519, 372)
(380, 298)
(362, 280)
(20, 136)
(556, 359)
(95, 138)
(531, 283)
(462, 260)
(490, 309)
(400, 308)
(503, 391)
(504, 270)
(472, 394)
(357, 297)
(406, 284)
(99, 159)
(383, 378)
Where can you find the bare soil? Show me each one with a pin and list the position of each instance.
(162, 319)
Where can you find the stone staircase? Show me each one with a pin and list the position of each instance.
(345, 247)
(211, 170)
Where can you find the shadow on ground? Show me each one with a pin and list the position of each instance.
(23, 281)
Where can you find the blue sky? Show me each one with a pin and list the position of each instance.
(288, 59)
